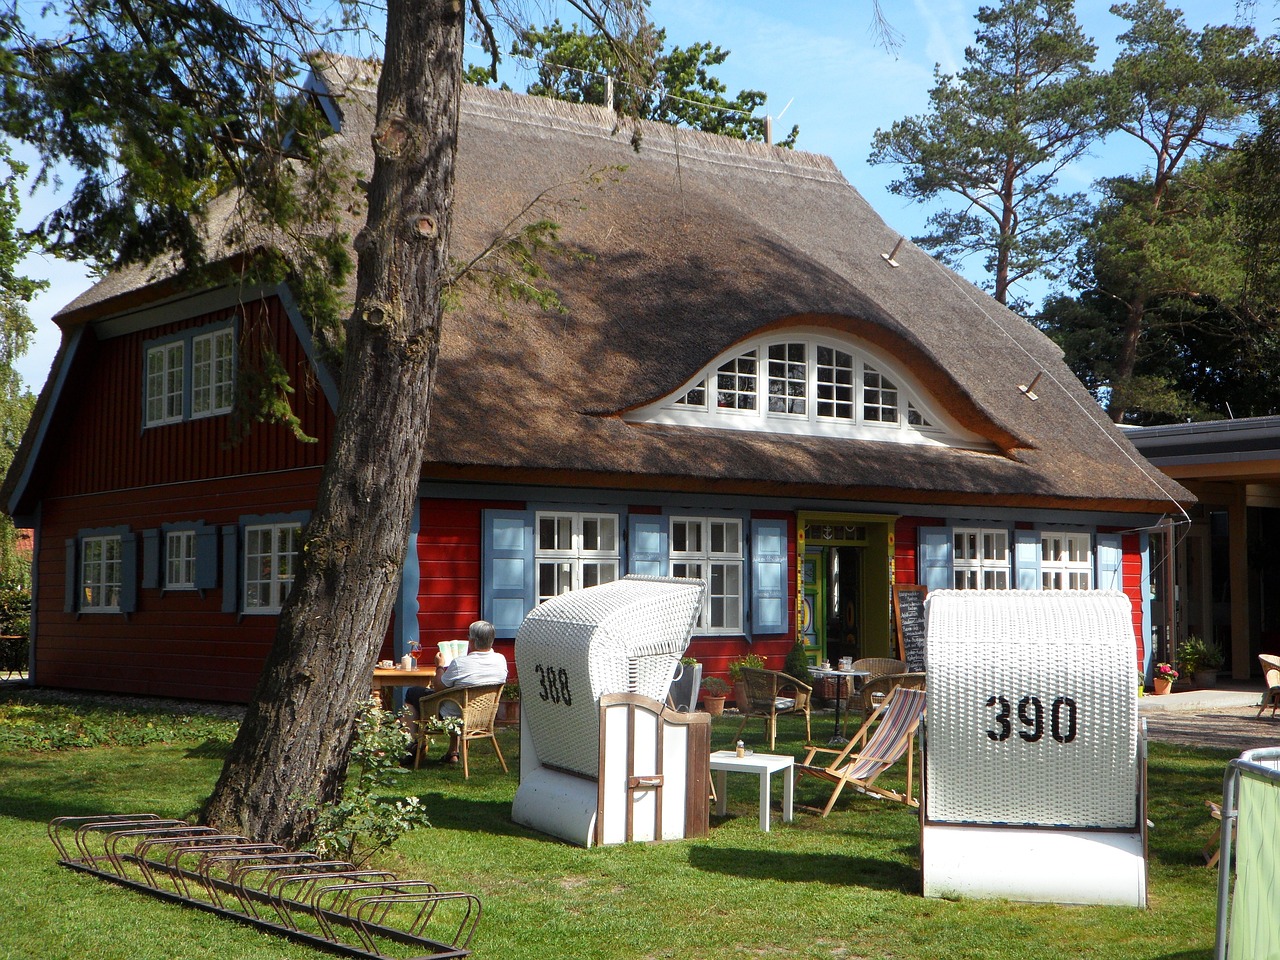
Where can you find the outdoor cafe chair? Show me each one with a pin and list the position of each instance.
(878, 745)
(1271, 674)
(772, 694)
(875, 667)
(478, 706)
(875, 690)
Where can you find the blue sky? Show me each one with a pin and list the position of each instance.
(823, 69)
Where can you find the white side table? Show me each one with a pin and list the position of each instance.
(764, 765)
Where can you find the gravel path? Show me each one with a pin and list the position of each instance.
(1229, 728)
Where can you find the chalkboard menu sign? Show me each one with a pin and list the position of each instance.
(908, 614)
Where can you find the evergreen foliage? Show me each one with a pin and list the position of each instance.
(997, 135)
(678, 88)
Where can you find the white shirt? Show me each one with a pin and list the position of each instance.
(474, 669)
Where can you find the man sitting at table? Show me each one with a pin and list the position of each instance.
(483, 665)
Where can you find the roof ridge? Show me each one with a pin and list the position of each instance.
(683, 142)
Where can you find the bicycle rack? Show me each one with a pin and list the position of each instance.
(329, 904)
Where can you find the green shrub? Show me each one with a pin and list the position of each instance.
(15, 611)
(797, 664)
(751, 660)
(364, 820)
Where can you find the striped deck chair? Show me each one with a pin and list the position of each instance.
(872, 751)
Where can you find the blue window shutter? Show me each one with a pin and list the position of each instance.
(769, 576)
(230, 568)
(1026, 559)
(647, 545)
(1110, 557)
(73, 579)
(128, 572)
(150, 559)
(506, 571)
(206, 557)
(934, 557)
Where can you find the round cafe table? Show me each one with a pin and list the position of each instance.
(850, 681)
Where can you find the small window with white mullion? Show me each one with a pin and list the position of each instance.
(212, 373)
(788, 379)
(270, 561)
(100, 574)
(879, 396)
(980, 559)
(574, 551)
(737, 383)
(835, 386)
(695, 398)
(710, 549)
(180, 560)
(1066, 561)
(164, 391)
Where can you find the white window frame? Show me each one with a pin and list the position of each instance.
(180, 560)
(980, 558)
(101, 573)
(163, 395)
(576, 564)
(723, 570)
(1066, 560)
(268, 574)
(213, 377)
(839, 393)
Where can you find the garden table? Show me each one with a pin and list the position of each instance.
(764, 765)
(850, 680)
(384, 678)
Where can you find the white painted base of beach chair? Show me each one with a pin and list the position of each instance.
(1045, 866)
(558, 804)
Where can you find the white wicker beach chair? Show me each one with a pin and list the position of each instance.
(1035, 762)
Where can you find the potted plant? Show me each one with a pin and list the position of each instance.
(509, 705)
(1202, 659)
(714, 690)
(751, 660)
(1162, 677)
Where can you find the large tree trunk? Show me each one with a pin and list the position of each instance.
(295, 741)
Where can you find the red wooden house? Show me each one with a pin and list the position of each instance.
(743, 386)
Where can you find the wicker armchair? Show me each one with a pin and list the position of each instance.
(876, 691)
(478, 707)
(1271, 674)
(771, 694)
(879, 666)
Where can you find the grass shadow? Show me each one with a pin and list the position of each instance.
(209, 750)
(837, 870)
(480, 815)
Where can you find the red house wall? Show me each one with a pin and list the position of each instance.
(177, 643)
(101, 444)
(449, 572)
(100, 468)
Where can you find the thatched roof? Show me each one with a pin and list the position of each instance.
(698, 242)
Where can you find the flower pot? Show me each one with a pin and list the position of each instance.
(713, 705)
(1206, 678)
(740, 696)
(1161, 686)
(508, 712)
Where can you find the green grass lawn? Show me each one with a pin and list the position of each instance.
(844, 887)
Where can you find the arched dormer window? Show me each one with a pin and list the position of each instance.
(808, 381)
